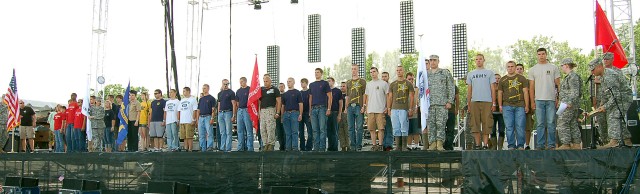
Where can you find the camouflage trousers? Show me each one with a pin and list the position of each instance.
(568, 128)
(96, 139)
(601, 118)
(268, 125)
(615, 125)
(436, 123)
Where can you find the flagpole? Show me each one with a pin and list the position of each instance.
(13, 139)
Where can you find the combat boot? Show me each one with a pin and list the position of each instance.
(576, 146)
(564, 147)
(612, 143)
(439, 145)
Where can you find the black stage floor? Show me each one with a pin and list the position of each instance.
(569, 171)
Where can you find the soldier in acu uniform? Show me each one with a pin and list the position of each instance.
(442, 96)
(619, 86)
(570, 94)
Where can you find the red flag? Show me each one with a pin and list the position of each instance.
(606, 37)
(254, 95)
(11, 99)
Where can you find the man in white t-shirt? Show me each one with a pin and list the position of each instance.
(375, 97)
(544, 79)
(187, 117)
(171, 121)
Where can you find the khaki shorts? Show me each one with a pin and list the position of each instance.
(481, 117)
(186, 131)
(27, 132)
(376, 120)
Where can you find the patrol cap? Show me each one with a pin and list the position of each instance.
(608, 56)
(594, 63)
(436, 57)
(566, 61)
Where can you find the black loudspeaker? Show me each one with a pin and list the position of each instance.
(15, 181)
(632, 122)
(80, 184)
(168, 187)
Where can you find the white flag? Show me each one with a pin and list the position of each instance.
(85, 110)
(423, 86)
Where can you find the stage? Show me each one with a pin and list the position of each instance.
(570, 171)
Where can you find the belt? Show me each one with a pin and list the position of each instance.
(291, 111)
(354, 104)
(225, 111)
(319, 106)
(205, 115)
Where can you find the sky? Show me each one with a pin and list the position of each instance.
(49, 43)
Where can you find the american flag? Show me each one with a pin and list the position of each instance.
(11, 99)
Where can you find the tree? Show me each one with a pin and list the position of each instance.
(636, 34)
(372, 58)
(342, 70)
(117, 89)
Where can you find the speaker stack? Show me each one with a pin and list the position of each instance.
(167, 187)
(13, 184)
(80, 186)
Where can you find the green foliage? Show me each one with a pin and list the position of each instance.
(118, 89)
(341, 71)
(372, 58)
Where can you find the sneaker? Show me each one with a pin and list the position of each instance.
(477, 147)
(527, 148)
(485, 148)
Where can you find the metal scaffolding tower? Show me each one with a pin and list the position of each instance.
(622, 22)
(98, 40)
(194, 37)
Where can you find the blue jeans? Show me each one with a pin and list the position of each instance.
(173, 140)
(69, 137)
(290, 123)
(224, 118)
(305, 145)
(205, 132)
(514, 119)
(245, 130)
(108, 138)
(545, 118)
(356, 129)
(388, 132)
(332, 131)
(77, 140)
(59, 141)
(400, 122)
(319, 124)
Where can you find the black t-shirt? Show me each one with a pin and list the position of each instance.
(109, 116)
(157, 110)
(27, 116)
(116, 111)
(269, 96)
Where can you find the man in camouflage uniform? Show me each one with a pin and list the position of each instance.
(601, 118)
(4, 118)
(615, 83)
(570, 94)
(442, 96)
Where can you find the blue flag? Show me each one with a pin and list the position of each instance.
(123, 116)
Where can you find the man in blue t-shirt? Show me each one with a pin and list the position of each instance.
(320, 100)
(291, 108)
(306, 144)
(481, 102)
(245, 126)
(335, 116)
(156, 121)
(227, 108)
(206, 108)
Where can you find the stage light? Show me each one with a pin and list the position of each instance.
(313, 44)
(294, 1)
(273, 63)
(358, 49)
(460, 52)
(407, 34)
(257, 5)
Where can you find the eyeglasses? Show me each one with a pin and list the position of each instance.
(226, 84)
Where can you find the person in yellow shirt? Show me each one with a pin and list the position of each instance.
(145, 105)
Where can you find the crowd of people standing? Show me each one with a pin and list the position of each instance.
(324, 117)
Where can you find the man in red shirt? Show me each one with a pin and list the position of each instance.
(71, 115)
(79, 139)
(59, 120)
